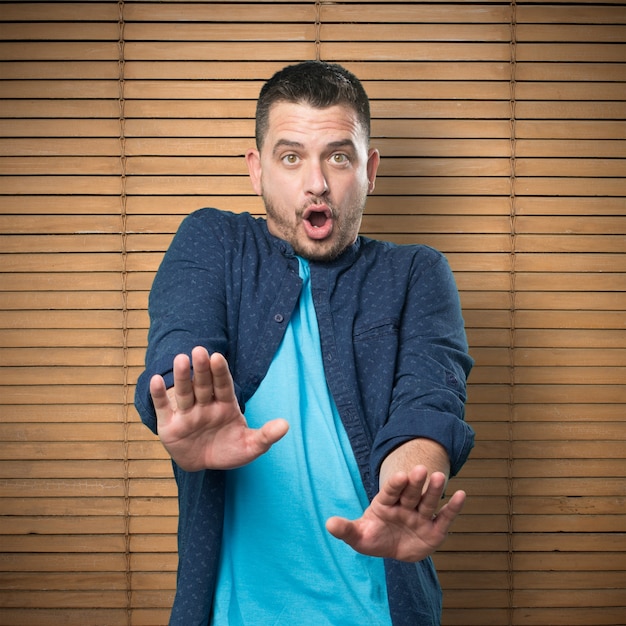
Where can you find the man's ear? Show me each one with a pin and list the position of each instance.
(373, 161)
(253, 161)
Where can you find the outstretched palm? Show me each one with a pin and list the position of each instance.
(200, 423)
(401, 521)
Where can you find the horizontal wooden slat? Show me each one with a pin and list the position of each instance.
(60, 128)
(57, 581)
(415, 13)
(283, 11)
(570, 14)
(569, 148)
(570, 301)
(570, 71)
(59, 51)
(52, 165)
(26, 99)
(60, 70)
(70, 617)
(40, 147)
(415, 32)
(552, 33)
(574, 579)
(571, 206)
(556, 617)
(571, 53)
(567, 91)
(47, 12)
(225, 51)
(572, 282)
(62, 204)
(600, 129)
(565, 357)
(431, 51)
(573, 243)
(571, 110)
(77, 31)
(222, 32)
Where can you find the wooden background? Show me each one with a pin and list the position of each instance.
(503, 133)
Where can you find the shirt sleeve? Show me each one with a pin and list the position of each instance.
(187, 304)
(429, 392)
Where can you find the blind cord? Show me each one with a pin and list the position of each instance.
(124, 281)
(318, 31)
(512, 315)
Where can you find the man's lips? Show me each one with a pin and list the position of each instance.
(318, 221)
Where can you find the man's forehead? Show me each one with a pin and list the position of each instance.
(300, 119)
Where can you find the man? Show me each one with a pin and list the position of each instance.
(308, 383)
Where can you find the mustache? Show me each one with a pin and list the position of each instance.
(314, 203)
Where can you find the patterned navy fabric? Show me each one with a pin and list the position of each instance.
(394, 352)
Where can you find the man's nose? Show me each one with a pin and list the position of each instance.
(316, 183)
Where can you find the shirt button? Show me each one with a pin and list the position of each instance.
(279, 318)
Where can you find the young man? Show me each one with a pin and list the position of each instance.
(308, 383)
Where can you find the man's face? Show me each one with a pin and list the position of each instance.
(314, 172)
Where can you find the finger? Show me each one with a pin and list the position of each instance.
(183, 387)
(202, 375)
(449, 511)
(412, 493)
(223, 387)
(390, 492)
(159, 395)
(432, 495)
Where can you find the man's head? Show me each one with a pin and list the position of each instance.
(316, 83)
(313, 165)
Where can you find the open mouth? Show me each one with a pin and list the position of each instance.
(317, 218)
(318, 221)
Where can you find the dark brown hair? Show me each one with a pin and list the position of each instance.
(316, 83)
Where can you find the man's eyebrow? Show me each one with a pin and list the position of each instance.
(286, 143)
(342, 143)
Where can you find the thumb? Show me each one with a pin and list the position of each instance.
(271, 432)
(341, 528)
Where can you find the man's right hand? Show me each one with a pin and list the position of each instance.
(199, 421)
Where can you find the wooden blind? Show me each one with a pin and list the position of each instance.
(502, 127)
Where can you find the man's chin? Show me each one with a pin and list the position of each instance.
(319, 250)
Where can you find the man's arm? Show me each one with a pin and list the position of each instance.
(187, 304)
(404, 521)
(416, 452)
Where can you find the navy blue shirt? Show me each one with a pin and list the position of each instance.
(394, 352)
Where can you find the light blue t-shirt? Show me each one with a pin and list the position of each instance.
(279, 565)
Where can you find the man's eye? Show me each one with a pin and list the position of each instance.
(339, 158)
(290, 159)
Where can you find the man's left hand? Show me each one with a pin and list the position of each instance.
(402, 521)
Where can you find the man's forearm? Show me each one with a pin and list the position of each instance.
(415, 452)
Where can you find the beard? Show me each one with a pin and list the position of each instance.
(346, 224)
